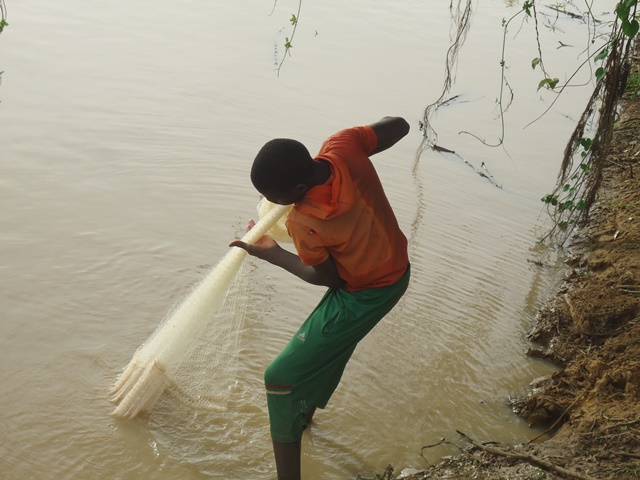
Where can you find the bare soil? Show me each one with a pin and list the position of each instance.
(591, 329)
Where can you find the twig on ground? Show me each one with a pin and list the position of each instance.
(629, 454)
(609, 427)
(553, 425)
(442, 441)
(530, 459)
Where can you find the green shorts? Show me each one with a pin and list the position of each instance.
(307, 371)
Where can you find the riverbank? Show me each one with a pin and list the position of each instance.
(591, 330)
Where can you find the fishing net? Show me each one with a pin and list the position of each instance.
(204, 325)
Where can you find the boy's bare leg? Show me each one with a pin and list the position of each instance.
(288, 455)
(309, 416)
(287, 459)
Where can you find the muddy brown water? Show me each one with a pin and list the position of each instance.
(127, 133)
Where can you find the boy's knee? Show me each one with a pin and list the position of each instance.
(277, 374)
(285, 417)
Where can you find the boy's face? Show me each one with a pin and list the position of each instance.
(288, 196)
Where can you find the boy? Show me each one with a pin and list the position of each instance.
(348, 239)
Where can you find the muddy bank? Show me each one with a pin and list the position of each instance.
(591, 330)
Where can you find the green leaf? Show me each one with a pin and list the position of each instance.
(600, 73)
(535, 62)
(550, 199)
(622, 11)
(293, 20)
(631, 28)
(586, 143)
(584, 167)
(581, 205)
(602, 55)
(549, 83)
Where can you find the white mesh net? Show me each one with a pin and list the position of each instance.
(178, 353)
(279, 229)
(203, 376)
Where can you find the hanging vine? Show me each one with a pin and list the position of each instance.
(287, 41)
(461, 18)
(288, 45)
(586, 151)
(582, 165)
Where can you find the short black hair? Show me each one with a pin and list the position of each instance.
(280, 165)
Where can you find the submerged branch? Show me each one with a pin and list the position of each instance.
(570, 14)
(483, 173)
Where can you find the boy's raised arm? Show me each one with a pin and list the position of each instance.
(389, 130)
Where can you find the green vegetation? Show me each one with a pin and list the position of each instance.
(633, 83)
(582, 166)
(3, 15)
(287, 41)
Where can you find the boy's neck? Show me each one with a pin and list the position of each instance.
(321, 172)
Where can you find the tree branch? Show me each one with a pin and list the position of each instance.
(538, 462)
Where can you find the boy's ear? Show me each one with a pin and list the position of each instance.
(301, 188)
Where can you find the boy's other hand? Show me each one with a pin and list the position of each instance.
(261, 249)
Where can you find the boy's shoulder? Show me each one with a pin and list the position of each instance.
(362, 138)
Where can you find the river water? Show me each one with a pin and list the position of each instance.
(127, 130)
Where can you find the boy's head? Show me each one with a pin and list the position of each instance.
(282, 171)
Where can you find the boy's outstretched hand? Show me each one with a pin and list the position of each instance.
(268, 249)
(261, 249)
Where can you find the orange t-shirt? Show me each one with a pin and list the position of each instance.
(349, 216)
